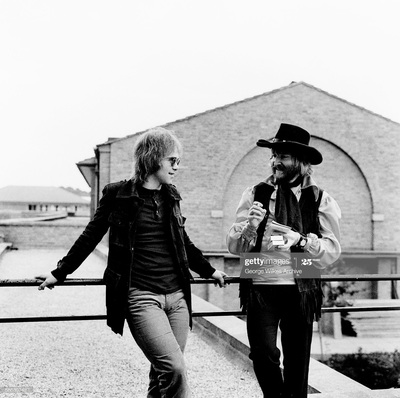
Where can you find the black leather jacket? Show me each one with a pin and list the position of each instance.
(117, 211)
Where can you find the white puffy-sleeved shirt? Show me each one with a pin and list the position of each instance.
(242, 237)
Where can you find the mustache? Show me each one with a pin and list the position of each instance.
(278, 167)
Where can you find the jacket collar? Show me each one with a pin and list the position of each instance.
(172, 191)
(128, 189)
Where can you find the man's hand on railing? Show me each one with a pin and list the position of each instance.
(219, 278)
(48, 281)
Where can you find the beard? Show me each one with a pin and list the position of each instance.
(285, 174)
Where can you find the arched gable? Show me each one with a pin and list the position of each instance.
(338, 174)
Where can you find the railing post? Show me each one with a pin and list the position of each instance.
(331, 324)
(385, 287)
(216, 296)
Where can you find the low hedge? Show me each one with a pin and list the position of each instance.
(376, 370)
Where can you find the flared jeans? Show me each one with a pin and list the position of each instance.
(159, 323)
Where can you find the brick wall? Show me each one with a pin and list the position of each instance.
(220, 159)
(30, 234)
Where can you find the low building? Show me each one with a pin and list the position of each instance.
(36, 199)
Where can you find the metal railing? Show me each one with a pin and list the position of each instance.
(195, 281)
(97, 282)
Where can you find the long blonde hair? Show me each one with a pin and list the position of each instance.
(150, 149)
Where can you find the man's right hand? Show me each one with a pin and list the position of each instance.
(256, 214)
(48, 281)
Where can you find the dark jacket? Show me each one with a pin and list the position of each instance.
(117, 211)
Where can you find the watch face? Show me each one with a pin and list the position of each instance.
(302, 242)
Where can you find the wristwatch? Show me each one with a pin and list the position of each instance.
(302, 242)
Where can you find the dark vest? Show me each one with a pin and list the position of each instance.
(309, 289)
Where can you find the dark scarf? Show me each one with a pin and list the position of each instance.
(302, 217)
(287, 209)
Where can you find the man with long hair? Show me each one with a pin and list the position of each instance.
(147, 276)
(285, 216)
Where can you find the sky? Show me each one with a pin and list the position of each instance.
(74, 73)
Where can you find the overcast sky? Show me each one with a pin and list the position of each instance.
(75, 72)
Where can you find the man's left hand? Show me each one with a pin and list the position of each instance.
(290, 238)
(219, 278)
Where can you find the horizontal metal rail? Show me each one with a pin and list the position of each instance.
(53, 318)
(98, 282)
(360, 278)
(365, 308)
(63, 318)
(35, 282)
(195, 281)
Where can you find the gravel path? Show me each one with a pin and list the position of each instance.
(84, 358)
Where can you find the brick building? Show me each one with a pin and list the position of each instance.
(360, 168)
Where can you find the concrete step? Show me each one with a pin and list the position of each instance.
(365, 328)
(373, 326)
(376, 323)
(374, 330)
(377, 335)
(376, 302)
(375, 315)
(389, 393)
(375, 320)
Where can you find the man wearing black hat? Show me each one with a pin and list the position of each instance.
(285, 216)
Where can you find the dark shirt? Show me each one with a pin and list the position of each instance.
(153, 264)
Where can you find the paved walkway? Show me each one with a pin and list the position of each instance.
(84, 358)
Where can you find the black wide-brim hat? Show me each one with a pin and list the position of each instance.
(295, 140)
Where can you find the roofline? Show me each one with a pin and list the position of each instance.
(112, 140)
(292, 84)
(196, 114)
(345, 101)
(87, 162)
(43, 202)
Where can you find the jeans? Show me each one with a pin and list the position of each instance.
(159, 324)
(268, 308)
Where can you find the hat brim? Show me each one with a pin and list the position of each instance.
(311, 154)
